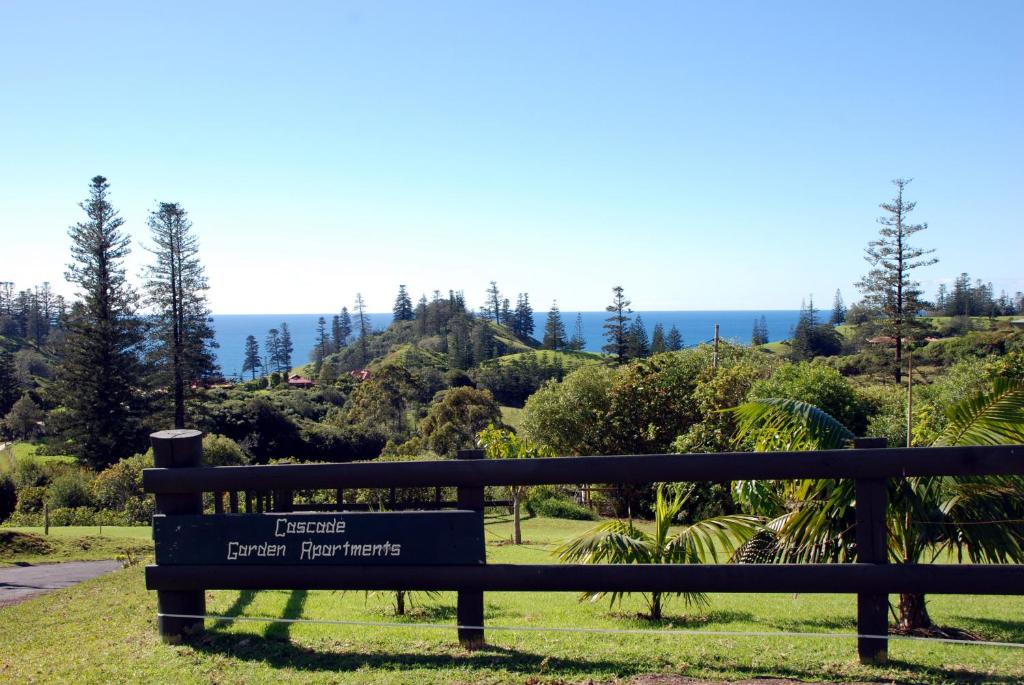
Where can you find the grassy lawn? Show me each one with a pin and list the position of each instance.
(104, 631)
(73, 543)
(512, 416)
(23, 450)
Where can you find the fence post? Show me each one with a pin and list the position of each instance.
(179, 449)
(872, 609)
(470, 611)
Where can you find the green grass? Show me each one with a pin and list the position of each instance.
(115, 532)
(26, 450)
(512, 416)
(104, 631)
(570, 360)
(76, 543)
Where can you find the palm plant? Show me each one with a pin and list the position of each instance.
(974, 517)
(623, 542)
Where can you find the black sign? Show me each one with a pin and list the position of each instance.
(362, 539)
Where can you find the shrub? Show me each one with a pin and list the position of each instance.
(30, 499)
(820, 385)
(29, 472)
(120, 483)
(8, 496)
(563, 509)
(552, 502)
(220, 450)
(70, 490)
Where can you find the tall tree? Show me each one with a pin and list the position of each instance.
(403, 305)
(577, 342)
(422, 312)
(658, 339)
(759, 336)
(344, 326)
(554, 329)
(286, 349)
(674, 341)
(251, 359)
(838, 309)
(176, 291)
(639, 343)
(492, 306)
(616, 327)
(887, 287)
(10, 390)
(323, 344)
(100, 376)
(363, 326)
(272, 348)
(522, 324)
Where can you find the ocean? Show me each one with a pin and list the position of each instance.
(695, 326)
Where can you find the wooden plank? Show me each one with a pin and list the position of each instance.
(469, 607)
(421, 538)
(954, 579)
(855, 463)
(872, 536)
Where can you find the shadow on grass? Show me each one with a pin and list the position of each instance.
(682, 621)
(1005, 629)
(298, 657)
(292, 609)
(244, 599)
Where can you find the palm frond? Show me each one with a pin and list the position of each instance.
(992, 417)
(704, 541)
(778, 424)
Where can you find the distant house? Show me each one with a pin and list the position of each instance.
(297, 381)
(360, 374)
(882, 340)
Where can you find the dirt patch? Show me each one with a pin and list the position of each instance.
(679, 680)
(18, 544)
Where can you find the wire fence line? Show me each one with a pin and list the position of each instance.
(665, 632)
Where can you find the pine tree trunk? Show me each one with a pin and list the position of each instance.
(913, 613)
(517, 535)
(400, 602)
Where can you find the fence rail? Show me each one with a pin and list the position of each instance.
(644, 468)
(179, 483)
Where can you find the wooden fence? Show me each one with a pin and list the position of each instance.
(457, 560)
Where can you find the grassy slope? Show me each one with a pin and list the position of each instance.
(21, 450)
(72, 543)
(104, 631)
(570, 360)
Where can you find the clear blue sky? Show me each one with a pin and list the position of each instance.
(722, 155)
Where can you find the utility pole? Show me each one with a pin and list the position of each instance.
(714, 358)
(910, 397)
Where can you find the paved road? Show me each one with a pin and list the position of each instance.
(19, 583)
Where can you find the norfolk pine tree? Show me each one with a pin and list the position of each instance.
(10, 389)
(887, 287)
(554, 329)
(251, 360)
(176, 291)
(658, 339)
(674, 341)
(100, 379)
(616, 327)
(364, 329)
(284, 359)
(577, 342)
(272, 347)
(403, 305)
